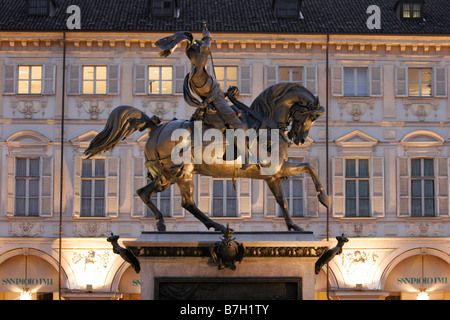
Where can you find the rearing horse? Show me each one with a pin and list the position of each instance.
(278, 107)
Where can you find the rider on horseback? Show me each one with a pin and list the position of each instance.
(214, 108)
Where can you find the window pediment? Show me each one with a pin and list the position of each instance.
(81, 142)
(356, 142)
(27, 141)
(422, 141)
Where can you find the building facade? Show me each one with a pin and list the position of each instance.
(382, 148)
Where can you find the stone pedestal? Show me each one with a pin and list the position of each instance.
(276, 265)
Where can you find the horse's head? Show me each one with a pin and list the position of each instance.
(303, 117)
(288, 103)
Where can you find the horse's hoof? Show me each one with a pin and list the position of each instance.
(295, 228)
(161, 226)
(216, 226)
(324, 199)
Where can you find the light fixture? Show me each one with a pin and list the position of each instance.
(25, 294)
(423, 295)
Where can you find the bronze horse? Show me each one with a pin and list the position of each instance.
(282, 106)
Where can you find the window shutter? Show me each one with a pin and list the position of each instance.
(336, 81)
(11, 186)
(440, 82)
(376, 76)
(270, 76)
(48, 81)
(77, 188)
(245, 205)
(404, 186)
(271, 205)
(377, 186)
(46, 187)
(180, 73)
(311, 201)
(9, 78)
(114, 79)
(177, 209)
(112, 186)
(311, 79)
(140, 79)
(245, 80)
(338, 187)
(442, 188)
(401, 81)
(139, 181)
(74, 80)
(204, 199)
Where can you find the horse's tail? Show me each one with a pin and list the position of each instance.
(121, 123)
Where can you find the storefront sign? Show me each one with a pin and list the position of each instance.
(426, 280)
(27, 282)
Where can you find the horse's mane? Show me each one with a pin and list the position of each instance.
(266, 102)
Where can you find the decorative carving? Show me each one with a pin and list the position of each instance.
(359, 229)
(421, 109)
(91, 229)
(228, 252)
(26, 228)
(94, 107)
(356, 108)
(359, 265)
(28, 107)
(252, 251)
(424, 229)
(159, 107)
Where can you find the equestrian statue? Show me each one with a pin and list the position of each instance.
(281, 115)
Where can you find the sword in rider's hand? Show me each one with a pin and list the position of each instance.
(205, 28)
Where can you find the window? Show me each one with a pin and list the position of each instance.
(227, 76)
(38, 7)
(291, 74)
(94, 80)
(163, 201)
(27, 187)
(356, 82)
(303, 75)
(224, 199)
(358, 182)
(287, 8)
(30, 80)
(162, 8)
(93, 181)
(422, 188)
(160, 80)
(420, 82)
(293, 190)
(299, 192)
(411, 10)
(357, 188)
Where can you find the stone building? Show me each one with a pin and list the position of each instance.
(381, 70)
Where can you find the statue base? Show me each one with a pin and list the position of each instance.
(204, 266)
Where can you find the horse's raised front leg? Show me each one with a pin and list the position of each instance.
(187, 202)
(292, 169)
(146, 193)
(277, 190)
